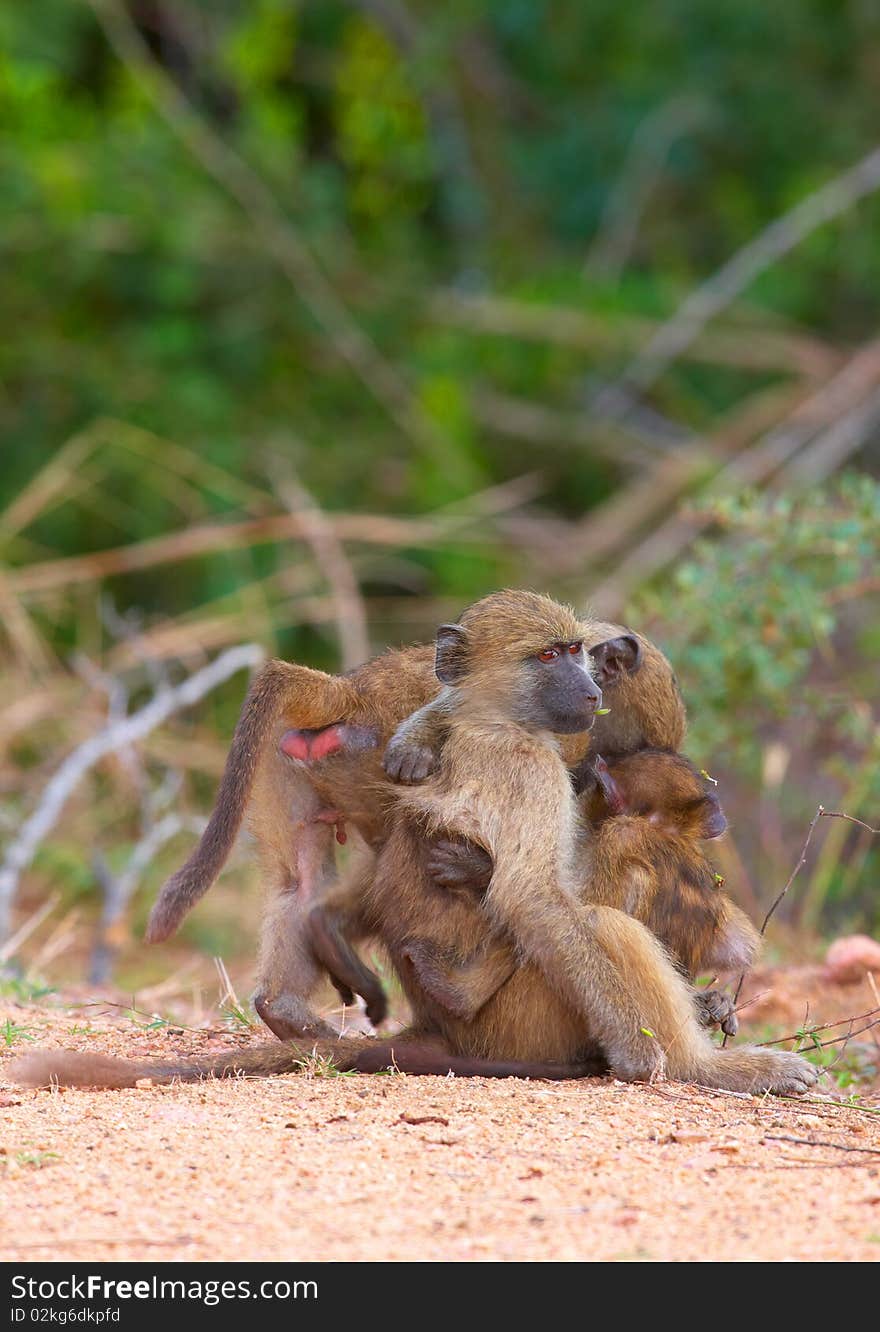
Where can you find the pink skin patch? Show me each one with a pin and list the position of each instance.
(295, 744)
(328, 741)
(308, 746)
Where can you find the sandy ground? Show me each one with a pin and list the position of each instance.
(429, 1169)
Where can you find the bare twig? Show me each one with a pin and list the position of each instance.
(841, 413)
(228, 997)
(118, 734)
(332, 559)
(821, 812)
(26, 929)
(842, 1040)
(835, 814)
(817, 1142)
(756, 348)
(825, 1026)
(118, 889)
(205, 538)
(720, 290)
(801, 862)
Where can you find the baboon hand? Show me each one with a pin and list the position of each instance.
(407, 762)
(457, 864)
(715, 1009)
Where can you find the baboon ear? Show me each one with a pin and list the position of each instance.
(450, 655)
(614, 658)
(714, 820)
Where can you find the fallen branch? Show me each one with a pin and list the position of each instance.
(825, 1026)
(117, 735)
(812, 1142)
(206, 538)
(118, 889)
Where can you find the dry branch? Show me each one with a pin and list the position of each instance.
(112, 738)
(330, 555)
(821, 812)
(719, 291)
(817, 1142)
(205, 538)
(838, 417)
(752, 348)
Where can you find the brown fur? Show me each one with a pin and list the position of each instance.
(411, 1053)
(287, 801)
(591, 976)
(649, 861)
(644, 857)
(593, 980)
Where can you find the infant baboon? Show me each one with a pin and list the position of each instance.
(648, 813)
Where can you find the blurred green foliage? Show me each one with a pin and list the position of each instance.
(414, 146)
(583, 156)
(766, 622)
(754, 609)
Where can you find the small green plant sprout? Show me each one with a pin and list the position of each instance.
(156, 1023)
(12, 1033)
(36, 1160)
(236, 1016)
(26, 991)
(648, 1032)
(602, 712)
(233, 1010)
(708, 776)
(321, 1066)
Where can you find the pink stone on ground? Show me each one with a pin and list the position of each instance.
(849, 958)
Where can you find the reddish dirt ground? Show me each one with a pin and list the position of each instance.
(433, 1169)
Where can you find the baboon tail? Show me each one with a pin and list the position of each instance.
(420, 1055)
(302, 696)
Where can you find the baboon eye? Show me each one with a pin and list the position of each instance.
(574, 648)
(549, 654)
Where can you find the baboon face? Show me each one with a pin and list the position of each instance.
(664, 788)
(542, 675)
(559, 694)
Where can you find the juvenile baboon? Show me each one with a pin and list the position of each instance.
(305, 762)
(590, 975)
(595, 980)
(648, 813)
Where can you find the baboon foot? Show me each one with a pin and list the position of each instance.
(289, 1018)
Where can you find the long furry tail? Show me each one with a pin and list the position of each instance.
(272, 694)
(407, 1054)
